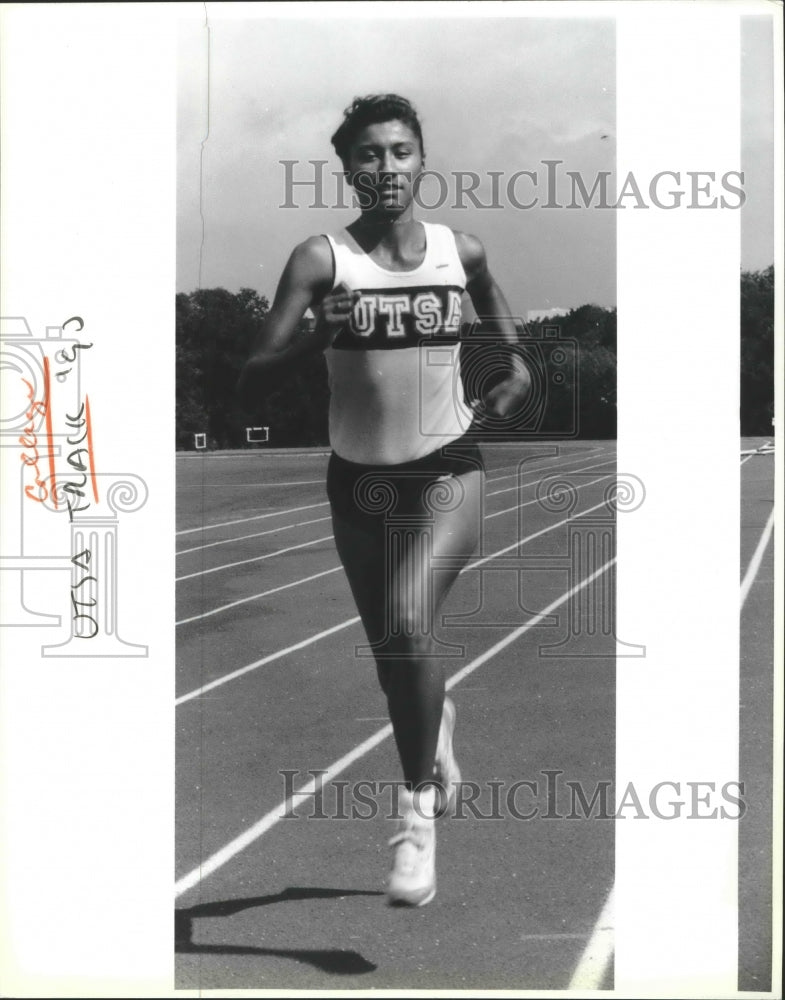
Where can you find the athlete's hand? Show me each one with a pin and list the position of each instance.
(335, 311)
(501, 402)
(507, 399)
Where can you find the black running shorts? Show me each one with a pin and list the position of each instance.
(371, 494)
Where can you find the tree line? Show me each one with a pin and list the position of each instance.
(572, 357)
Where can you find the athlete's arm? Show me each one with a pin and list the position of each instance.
(505, 396)
(306, 281)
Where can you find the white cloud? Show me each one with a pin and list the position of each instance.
(493, 94)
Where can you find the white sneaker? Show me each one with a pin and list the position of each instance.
(412, 880)
(446, 772)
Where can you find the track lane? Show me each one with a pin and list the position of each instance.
(313, 939)
(511, 723)
(486, 867)
(323, 575)
(206, 651)
(756, 697)
(322, 940)
(202, 591)
(199, 510)
(240, 551)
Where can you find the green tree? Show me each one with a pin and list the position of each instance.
(190, 410)
(757, 351)
(588, 390)
(597, 399)
(215, 330)
(294, 402)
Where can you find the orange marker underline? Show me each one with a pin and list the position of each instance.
(89, 428)
(49, 435)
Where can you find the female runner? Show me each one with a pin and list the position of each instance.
(405, 484)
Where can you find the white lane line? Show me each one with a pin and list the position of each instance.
(760, 449)
(316, 520)
(593, 963)
(765, 449)
(237, 486)
(269, 555)
(754, 453)
(255, 534)
(518, 506)
(554, 937)
(266, 593)
(488, 517)
(256, 517)
(528, 538)
(253, 597)
(549, 471)
(458, 676)
(318, 453)
(347, 622)
(757, 558)
(572, 472)
(253, 559)
(300, 524)
(247, 453)
(270, 819)
(564, 459)
(267, 659)
(293, 510)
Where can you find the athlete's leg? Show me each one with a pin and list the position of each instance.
(415, 591)
(399, 580)
(398, 586)
(361, 548)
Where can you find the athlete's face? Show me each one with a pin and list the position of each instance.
(384, 162)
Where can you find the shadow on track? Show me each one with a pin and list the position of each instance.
(335, 960)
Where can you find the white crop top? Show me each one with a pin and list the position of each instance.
(394, 370)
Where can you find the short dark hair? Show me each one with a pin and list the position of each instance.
(371, 110)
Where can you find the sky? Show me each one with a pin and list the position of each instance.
(493, 94)
(757, 142)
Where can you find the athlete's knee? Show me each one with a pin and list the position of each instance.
(409, 634)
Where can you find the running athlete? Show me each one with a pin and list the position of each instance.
(405, 483)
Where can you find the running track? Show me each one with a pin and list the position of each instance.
(268, 681)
